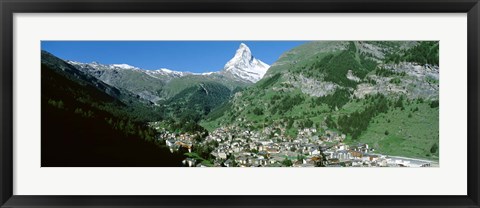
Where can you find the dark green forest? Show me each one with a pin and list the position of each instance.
(357, 122)
(195, 103)
(82, 126)
(426, 52)
(335, 66)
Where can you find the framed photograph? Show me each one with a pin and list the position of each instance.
(264, 103)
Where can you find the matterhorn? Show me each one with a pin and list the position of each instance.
(245, 66)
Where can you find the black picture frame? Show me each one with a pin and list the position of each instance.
(10, 7)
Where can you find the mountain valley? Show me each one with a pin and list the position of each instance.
(322, 103)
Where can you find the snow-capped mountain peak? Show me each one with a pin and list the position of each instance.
(164, 71)
(97, 65)
(245, 66)
(122, 66)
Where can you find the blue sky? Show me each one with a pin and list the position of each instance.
(193, 56)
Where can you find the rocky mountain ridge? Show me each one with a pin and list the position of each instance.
(242, 70)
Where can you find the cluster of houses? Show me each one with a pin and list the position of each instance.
(175, 141)
(270, 147)
(266, 148)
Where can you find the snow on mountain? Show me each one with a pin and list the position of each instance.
(122, 66)
(166, 72)
(245, 66)
(208, 73)
(153, 73)
(169, 72)
(97, 65)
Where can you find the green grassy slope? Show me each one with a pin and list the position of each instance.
(408, 132)
(279, 99)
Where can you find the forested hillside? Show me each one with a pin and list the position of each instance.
(385, 95)
(323, 103)
(83, 126)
